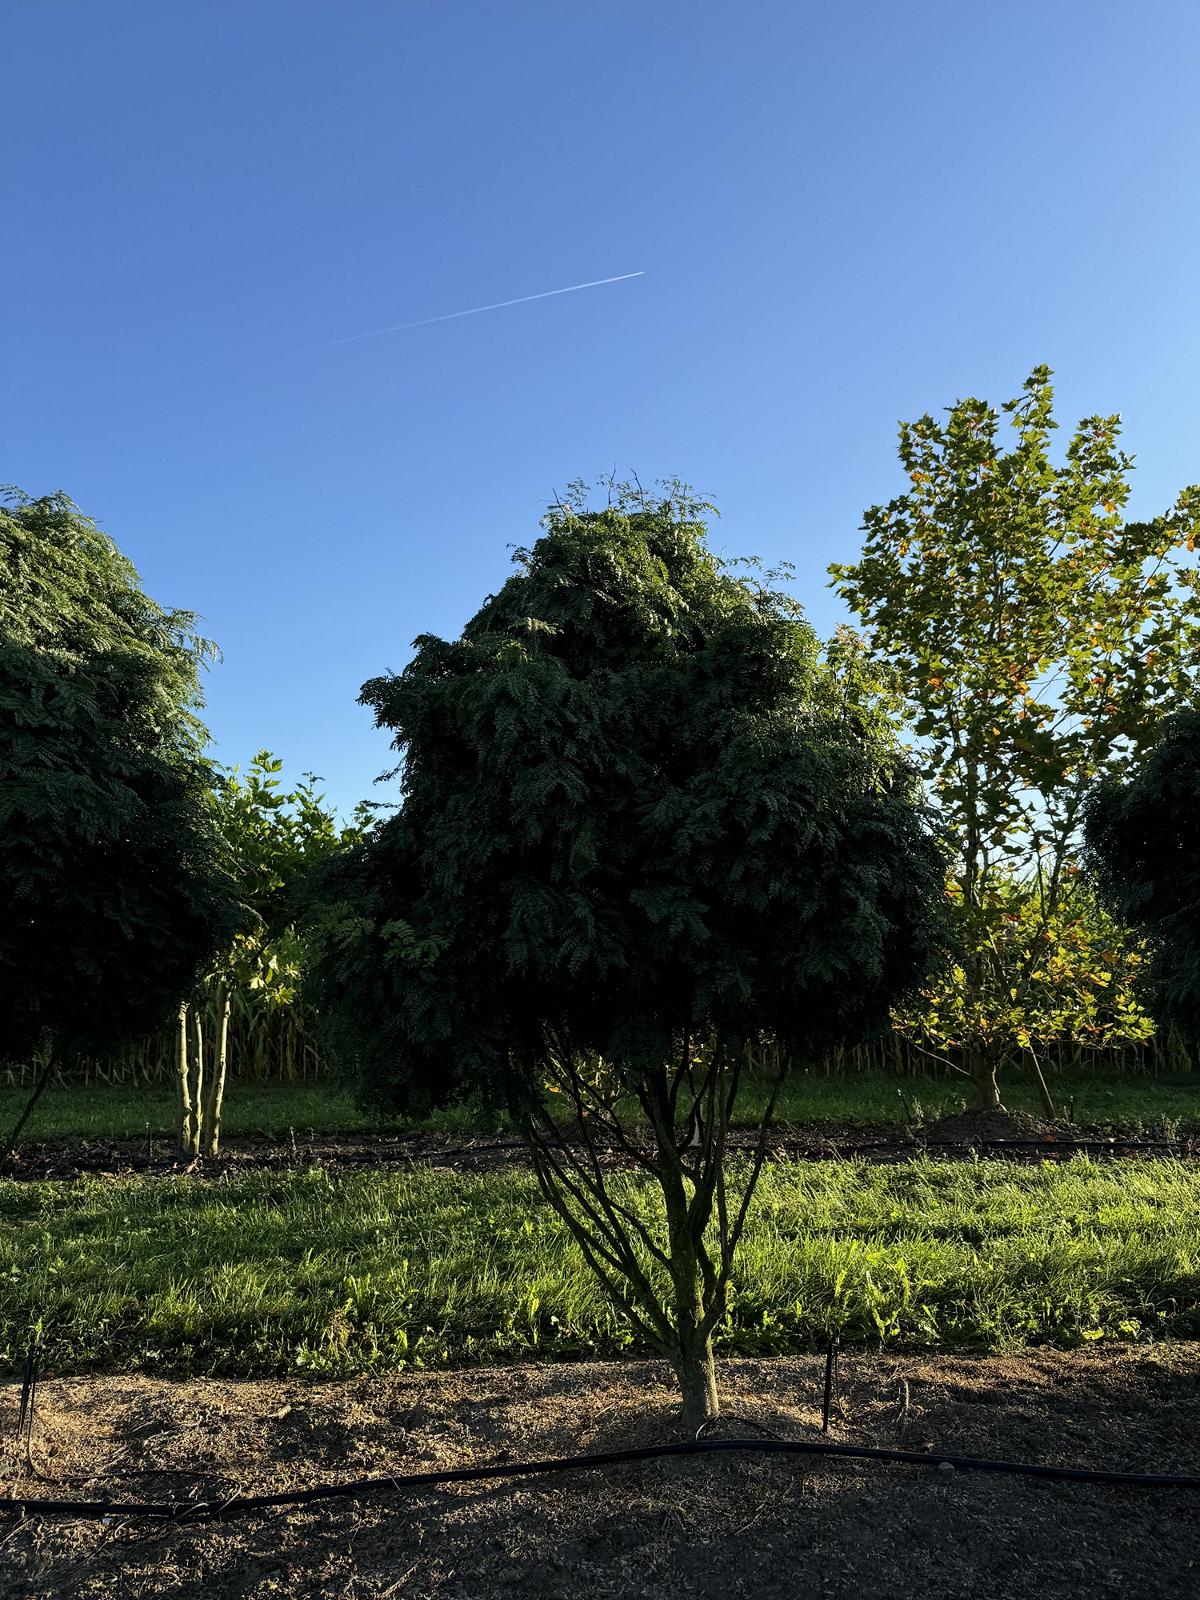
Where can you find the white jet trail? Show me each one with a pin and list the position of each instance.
(474, 311)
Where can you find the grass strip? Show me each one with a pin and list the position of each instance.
(308, 1271)
(1152, 1105)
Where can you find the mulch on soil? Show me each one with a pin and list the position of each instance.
(712, 1527)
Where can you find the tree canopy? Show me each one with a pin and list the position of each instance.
(275, 834)
(111, 865)
(636, 804)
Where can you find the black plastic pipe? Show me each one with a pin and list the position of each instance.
(248, 1505)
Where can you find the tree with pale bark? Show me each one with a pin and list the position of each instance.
(273, 836)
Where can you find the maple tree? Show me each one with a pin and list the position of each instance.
(1033, 638)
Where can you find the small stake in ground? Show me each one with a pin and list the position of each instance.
(33, 1361)
(831, 1380)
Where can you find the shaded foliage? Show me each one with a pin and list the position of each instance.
(112, 869)
(637, 808)
(1141, 835)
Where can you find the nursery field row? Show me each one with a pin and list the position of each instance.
(1150, 1105)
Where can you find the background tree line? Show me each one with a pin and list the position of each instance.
(1025, 638)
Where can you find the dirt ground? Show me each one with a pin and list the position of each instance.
(1011, 1137)
(707, 1527)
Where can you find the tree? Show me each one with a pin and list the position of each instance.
(1141, 833)
(1033, 638)
(1083, 981)
(113, 873)
(642, 827)
(273, 836)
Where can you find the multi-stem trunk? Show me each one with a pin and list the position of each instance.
(672, 1282)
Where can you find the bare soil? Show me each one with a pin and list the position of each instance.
(708, 1527)
(990, 1127)
(1016, 1136)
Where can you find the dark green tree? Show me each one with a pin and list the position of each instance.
(112, 872)
(1141, 832)
(643, 826)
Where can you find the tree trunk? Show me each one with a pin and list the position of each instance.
(216, 1093)
(983, 1065)
(185, 1093)
(692, 1357)
(697, 1374)
(198, 1091)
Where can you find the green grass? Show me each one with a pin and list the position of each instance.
(1099, 1101)
(94, 1111)
(271, 1110)
(307, 1272)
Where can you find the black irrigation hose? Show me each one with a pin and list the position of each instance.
(243, 1505)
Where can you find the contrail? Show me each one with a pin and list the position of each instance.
(474, 311)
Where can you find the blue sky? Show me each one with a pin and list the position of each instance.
(845, 215)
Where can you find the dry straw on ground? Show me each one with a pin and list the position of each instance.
(702, 1528)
